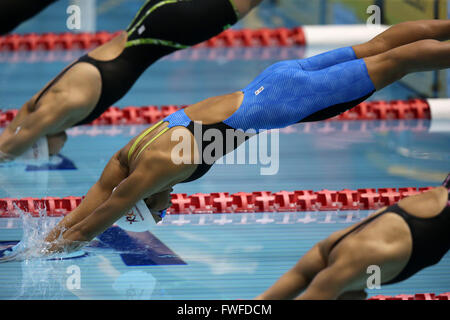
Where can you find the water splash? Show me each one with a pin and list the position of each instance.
(43, 279)
(44, 275)
(33, 244)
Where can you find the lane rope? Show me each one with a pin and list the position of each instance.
(312, 35)
(369, 110)
(240, 202)
(263, 37)
(417, 296)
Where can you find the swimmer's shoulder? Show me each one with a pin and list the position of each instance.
(121, 156)
(427, 204)
(159, 158)
(328, 243)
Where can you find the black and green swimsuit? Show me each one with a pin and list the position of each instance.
(159, 28)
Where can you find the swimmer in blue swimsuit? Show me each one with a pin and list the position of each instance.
(286, 93)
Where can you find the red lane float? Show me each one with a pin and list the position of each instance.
(313, 35)
(264, 37)
(369, 110)
(417, 296)
(240, 202)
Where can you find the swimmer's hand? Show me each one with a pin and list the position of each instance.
(61, 246)
(19, 253)
(4, 157)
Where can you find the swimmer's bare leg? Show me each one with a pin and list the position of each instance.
(402, 34)
(424, 55)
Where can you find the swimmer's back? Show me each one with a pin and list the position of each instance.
(424, 205)
(401, 238)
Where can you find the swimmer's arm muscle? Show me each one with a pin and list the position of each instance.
(10, 129)
(130, 191)
(331, 282)
(112, 175)
(35, 125)
(293, 282)
(144, 181)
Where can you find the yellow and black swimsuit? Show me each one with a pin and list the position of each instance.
(207, 159)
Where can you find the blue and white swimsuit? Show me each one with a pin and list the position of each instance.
(294, 91)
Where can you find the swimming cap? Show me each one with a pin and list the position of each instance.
(138, 219)
(38, 153)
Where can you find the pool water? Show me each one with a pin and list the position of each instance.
(205, 256)
(223, 256)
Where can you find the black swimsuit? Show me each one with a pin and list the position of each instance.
(14, 12)
(160, 28)
(430, 238)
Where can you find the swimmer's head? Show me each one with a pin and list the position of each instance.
(56, 142)
(159, 202)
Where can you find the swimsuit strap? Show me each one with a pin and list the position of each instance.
(142, 136)
(54, 81)
(151, 140)
(137, 34)
(360, 225)
(446, 184)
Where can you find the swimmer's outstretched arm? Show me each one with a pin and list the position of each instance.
(36, 125)
(149, 178)
(331, 282)
(57, 111)
(315, 278)
(131, 190)
(294, 281)
(14, 12)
